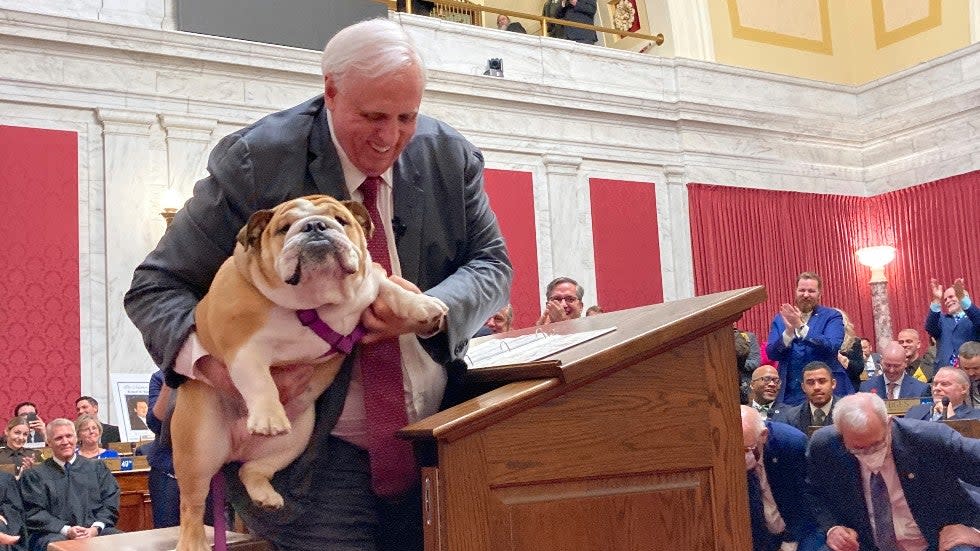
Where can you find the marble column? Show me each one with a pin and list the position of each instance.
(188, 145)
(881, 312)
(134, 179)
(675, 244)
(568, 237)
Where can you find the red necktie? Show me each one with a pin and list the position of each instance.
(393, 468)
(891, 390)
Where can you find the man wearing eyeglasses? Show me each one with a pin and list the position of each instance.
(774, 463)
(763, 390)
(564, 301)
(875, 482)
(894, 382)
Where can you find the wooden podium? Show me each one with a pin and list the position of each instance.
(634, 445)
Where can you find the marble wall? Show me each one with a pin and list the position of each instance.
(148, 103)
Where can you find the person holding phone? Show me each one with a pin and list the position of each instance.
(35, 437)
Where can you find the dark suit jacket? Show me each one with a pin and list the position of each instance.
(823, 340)
(911, 387)
(929, 457)
(800, 416)
(110, 433)
(582, 12)
(784, 460)
(923, 412)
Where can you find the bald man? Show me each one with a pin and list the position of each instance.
(763, 389)
(775, 460)
(894, 382)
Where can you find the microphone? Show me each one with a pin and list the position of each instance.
(942, 416)
(398, 227)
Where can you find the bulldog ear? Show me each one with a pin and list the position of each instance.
(362, 216)
(251, 234)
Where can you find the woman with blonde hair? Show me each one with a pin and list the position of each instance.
(89, 431)
(850, 354)
(14, 453)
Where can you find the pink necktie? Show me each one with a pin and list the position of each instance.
(891, 391)
(393, 468)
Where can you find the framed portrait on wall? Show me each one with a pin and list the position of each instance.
(129, 394)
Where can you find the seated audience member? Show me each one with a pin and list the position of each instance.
(775, 460)
(14, 453)
(872, 359)
(877, 482)
(11, 513)
(915, 364)
(35, 436)
(763, 390)
(894, 382)
(818, 408)
(969, 361)
(593, 310)
(564, 301)
(950, 383)
(68, 497)
(850, 355)
(504, 24)
(746, 358)
(959, 323)
(501, 321)
(90, 406)
(89, 432)
(929, 358)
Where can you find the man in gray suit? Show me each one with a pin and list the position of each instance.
(442, 236)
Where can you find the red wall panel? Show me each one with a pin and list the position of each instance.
(512, 199)
(627, 244)
(39, 297)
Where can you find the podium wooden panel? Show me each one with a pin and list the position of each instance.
(636, 446)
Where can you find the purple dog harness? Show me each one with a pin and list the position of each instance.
(337, 342)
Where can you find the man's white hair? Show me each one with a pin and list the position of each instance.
(371, 48)
(854, 412)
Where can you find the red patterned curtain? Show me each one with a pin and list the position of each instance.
(744, 237)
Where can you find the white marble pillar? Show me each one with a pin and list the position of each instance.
(568, 235)
(188, 146)
(134, 181)
(690, 29)
(675, 244)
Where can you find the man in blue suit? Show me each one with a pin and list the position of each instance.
(950, 383)
(775, 458)
(804, 332)
(363, 138)
(878, 483)
(960, 322)
(894, 383)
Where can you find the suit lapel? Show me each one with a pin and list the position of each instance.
(324, 166)
(408, 199)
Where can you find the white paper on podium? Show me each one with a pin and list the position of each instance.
(526, 348)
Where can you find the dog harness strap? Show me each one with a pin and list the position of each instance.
(218, 510)
(338, 342)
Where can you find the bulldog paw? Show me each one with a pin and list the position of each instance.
(267, 498)
(424, 309)
(269, 423)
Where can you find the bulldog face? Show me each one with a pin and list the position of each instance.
(306, 252)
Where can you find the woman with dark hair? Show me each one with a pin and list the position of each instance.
(14, 453)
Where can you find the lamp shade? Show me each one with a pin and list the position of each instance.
(876, 257)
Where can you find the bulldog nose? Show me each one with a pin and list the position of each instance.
(315, 226)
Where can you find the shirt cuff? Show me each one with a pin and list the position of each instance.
(98, 525)
(64, 530)
(934, 306)
(803, 331)
(966, 302)
(787, 340)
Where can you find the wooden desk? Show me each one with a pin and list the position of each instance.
(161, 539)
(135, 511)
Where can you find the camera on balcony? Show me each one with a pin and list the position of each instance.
(495, 67)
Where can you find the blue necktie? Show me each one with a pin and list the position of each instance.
(884, 524)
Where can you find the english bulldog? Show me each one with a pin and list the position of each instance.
(296, 268)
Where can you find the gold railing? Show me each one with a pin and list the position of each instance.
(466, 12)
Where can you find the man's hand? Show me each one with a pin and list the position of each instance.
(958, 534)
(382, 323)
(7, 539)
(937, 290)
(81, 532)
(792, 316)
(958, 288)
(37, 424)
(842, 538)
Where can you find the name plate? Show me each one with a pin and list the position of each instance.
(902, 405)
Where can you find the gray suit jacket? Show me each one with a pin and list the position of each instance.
(447, 237)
